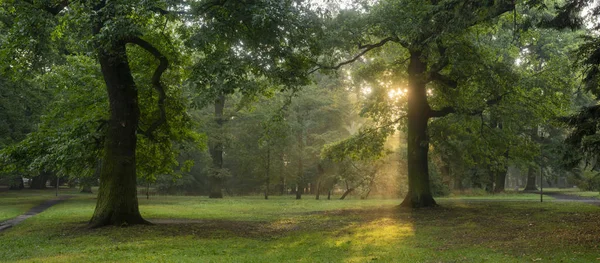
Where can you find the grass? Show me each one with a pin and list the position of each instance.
(249, 229)
(14, 203)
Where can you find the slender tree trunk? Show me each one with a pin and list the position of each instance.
(419, 190)
(329, 194)
(318, 190)
(347, 192)
(283, 189)
(299, 191)
(531, 174)
(371, 182)
(117, 202)
(148, 191)
(87, 182)
(268, 175)
(445, 171)
(489, 184)
(216, 152)
(320, 174)
(300, 139)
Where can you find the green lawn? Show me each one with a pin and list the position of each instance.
(250, 229)
(14, 203)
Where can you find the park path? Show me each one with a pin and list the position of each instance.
(573, 198)
(33, 211)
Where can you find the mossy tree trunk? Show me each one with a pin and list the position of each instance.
(419, 190)
(117, 202)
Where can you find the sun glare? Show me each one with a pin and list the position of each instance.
(397, 93)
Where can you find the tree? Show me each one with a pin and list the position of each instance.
(427, 32)
(111, 28)
(250, 49)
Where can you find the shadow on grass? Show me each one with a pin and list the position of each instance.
(456, 231)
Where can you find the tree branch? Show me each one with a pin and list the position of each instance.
(443, 62)
(168, 12)
(443, 79)
(54, 10)
(162, 67)
(365, 48)
(450, 109)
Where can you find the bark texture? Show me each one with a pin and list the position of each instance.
(419, 190)
(117, 202)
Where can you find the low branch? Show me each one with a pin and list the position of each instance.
(162, 67)
(365, 48)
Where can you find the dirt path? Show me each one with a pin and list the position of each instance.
(33, 211)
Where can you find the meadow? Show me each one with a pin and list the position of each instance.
(500, 228)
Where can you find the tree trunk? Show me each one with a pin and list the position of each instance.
(489, 184)
(320, 174)
(500, 181)
(299, 191)
(346, 193)
(216, 152)
(300, 139)
(419, 190)
(86, 189)
(39, 182)
(268, 174)
(117, 202)
(445, 172)
(16, 183)
(216, 187)
(87, 182)
(531, 174)
(329, 194)
(148, 191)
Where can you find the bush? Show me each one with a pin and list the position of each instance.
(588, 181)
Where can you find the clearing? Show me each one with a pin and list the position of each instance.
(502, 228)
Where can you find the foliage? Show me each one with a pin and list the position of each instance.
(588, 180)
